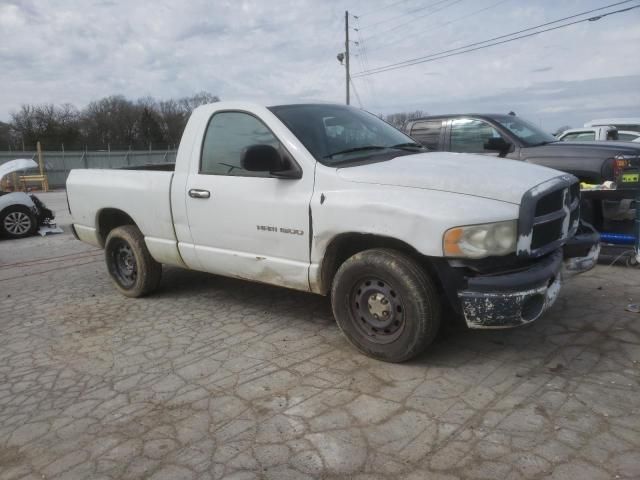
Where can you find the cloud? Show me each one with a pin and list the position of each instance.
(541, 69)
(285, 51)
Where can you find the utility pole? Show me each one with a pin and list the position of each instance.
(346, 50)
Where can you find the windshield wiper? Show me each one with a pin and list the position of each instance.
(405, 146)
(356, 149)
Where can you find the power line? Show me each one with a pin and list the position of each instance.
(418, 17)
(380, 9)
(387, 20)
(364, 56)
(466, 48)
(440, 25)
(504, 36)
(356, 92)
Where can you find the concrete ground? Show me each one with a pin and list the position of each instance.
(219, 378)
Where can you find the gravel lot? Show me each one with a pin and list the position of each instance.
(219, 378)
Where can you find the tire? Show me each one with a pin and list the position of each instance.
(18, 222)
(133, 270)
(392, 282)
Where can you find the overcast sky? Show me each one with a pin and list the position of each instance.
(276, 51)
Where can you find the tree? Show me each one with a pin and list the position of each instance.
(47, 124)
(173, 119)
(6, 140)
(399, 120)
(149, 131)
(189, 104)
(111, 122)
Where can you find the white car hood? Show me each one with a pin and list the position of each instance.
(477, 175)
(16, 166)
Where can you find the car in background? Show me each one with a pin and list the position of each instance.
(21, 214)
(622, 123)
(511, 137)
(628, 136)
(589, 134)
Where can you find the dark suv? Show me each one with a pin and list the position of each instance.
(512, 137)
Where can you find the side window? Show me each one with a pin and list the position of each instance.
(569, 137)
(585, 136)
(469, 136)
(228, 136)
(627, 137)
(427, 133)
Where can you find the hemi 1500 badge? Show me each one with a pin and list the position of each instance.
(290, 231)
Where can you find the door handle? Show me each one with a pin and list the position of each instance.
(198, 193)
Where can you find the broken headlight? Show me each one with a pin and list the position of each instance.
(479, 241)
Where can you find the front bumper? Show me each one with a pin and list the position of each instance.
(44, 215)
(517, 298)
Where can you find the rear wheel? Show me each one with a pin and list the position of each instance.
(18, 222)
(386, 304)
(132, 268)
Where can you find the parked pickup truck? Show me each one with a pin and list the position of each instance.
(589, 134)
(512, 137)
(598, 134)
(332, 200)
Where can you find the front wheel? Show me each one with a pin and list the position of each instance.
(18, 222)
(132, 268)
(386, 304)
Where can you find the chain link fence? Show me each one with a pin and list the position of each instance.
(58, 164)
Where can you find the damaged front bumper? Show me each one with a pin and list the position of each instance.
(512, 299)
(44, 215)
(516, 298)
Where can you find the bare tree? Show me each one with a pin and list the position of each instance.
(399, 120)
(112, 122)
(48, 124)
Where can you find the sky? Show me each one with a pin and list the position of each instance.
(284, 51)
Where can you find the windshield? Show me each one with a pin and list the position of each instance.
(337, 134)
(528, 133)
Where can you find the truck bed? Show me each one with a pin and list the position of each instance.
(142, 194)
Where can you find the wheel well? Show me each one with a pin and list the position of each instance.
(14, 206)
(348, 244)
(110, 218)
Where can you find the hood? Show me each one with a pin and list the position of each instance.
(467, 174)
(17, 165)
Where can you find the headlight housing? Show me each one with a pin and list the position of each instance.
(479, 241)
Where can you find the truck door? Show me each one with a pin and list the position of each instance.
(247, 224)
(470, 135)
(429, 133)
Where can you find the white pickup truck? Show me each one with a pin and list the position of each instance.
(330, 199)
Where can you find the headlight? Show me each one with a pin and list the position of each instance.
(479, 241)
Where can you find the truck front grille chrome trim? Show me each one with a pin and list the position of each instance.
(549, 215)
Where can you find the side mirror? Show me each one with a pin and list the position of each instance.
(498, 144)
(266, 158)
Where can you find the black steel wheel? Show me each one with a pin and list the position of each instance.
(379, 308)
(132, 268)
(125, 267)
(386, 304)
